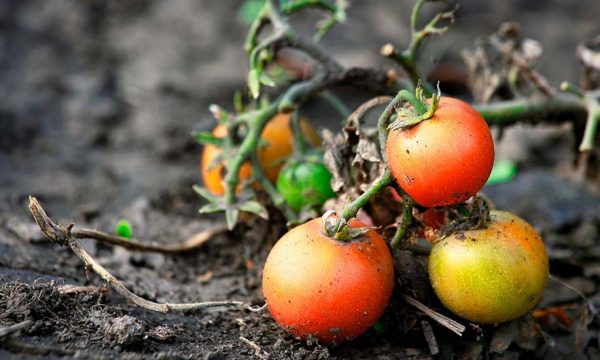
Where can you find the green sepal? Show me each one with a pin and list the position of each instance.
(206, 137)
(205, 194)
(231, 217)
(211, 208)
(254, 207)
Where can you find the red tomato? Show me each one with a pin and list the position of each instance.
(333, 290)
(443, 160)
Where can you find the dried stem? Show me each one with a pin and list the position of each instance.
(445, 321)
(7, 330)
(63, 236)
(195, 242)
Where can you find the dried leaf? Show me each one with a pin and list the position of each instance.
(589, 53)
(504, 336)
(503, 63)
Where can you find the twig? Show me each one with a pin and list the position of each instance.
(193, 243)
(445, 321)
(430, 337)
(366, 106)
(7, 330)
(62, 236)
(78, 289)
(258, 352)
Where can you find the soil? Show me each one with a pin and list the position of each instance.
(98, 99)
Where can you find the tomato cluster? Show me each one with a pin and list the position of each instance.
(277, 146)
(318, 283)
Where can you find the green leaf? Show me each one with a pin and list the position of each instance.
(250, 10)
(503, 171)
(204, 193)
(255, 208)
(231, 217)
(123, 228)
(206, 137)
(254, 83)
(211, 208)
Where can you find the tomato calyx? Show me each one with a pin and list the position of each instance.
(338, 228)
(416, 109)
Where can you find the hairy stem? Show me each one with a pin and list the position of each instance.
(405, 223)
(558, 108)
(351, 209)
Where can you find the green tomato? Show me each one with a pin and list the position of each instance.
(305, 183)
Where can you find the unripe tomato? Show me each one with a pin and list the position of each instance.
(305, 182)
(333, 290)
(490, 275)
(443, 160)
(278, 136)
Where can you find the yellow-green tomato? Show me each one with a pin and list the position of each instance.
(490, 275)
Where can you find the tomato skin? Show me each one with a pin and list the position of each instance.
(317, 286)
(278, 136)
(443, 160)
(305, 183)
(491, 275)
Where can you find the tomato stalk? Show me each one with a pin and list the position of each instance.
(408, 57)
(407, 219)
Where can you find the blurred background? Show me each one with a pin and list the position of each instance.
(98, 98)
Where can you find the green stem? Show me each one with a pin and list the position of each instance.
(591, 125)
(405, 223)
(257, 25)
(351, 209)
(269, 189)
(384, 122)
(298, 136)
(556, 109)
(336, 103)
(414, 16)
(256, 125)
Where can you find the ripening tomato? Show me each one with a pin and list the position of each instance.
(490, 275)
(305, 182)
(318, 286)
(443, 160)
(278, 137)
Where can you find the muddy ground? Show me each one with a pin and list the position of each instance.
(97, 102)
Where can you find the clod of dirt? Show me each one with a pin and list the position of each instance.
(125, 330)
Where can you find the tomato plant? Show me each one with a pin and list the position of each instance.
(334, 290)
(490, 275)
(305, 182)
(277, 140)
(443, 160)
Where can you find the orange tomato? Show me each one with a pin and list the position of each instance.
(279, 145)
(490, 275)
(318, 286)
(443, 160)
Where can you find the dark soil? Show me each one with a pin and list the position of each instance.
(97, 102)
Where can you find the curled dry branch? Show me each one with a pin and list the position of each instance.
(64, 237)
